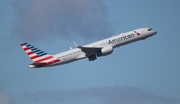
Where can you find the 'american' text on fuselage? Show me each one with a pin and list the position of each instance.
(121, 38)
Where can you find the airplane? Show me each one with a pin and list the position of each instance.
(91, 51)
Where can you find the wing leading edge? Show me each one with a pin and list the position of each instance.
(89, 51)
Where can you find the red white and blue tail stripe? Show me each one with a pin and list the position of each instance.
(38, 56)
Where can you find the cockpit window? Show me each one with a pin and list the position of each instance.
(150, 29)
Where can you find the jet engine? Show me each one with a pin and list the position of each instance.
(105, 51)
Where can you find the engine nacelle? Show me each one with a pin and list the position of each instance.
(105, 51)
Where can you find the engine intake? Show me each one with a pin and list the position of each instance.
(105, 51)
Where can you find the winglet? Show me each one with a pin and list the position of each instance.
(77, 45)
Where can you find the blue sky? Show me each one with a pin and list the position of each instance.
(144, 72)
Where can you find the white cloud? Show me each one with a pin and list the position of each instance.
(5, 98)
(107, 95)
(39, 19)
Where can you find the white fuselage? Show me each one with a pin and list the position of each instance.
(114, 41)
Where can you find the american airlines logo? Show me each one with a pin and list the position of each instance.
(121, 38)
(137, 33)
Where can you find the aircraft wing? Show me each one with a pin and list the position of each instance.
(88, 50)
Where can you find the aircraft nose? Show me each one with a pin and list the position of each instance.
(154, 31)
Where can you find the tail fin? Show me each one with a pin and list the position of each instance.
(36, 54)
